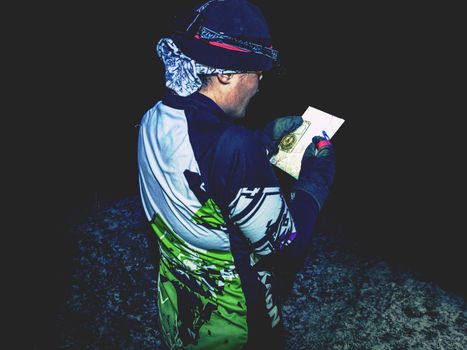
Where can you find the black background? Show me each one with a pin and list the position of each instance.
(86, 73)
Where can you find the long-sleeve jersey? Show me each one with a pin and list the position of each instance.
(222, 222)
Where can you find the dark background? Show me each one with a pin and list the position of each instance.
(90, 71)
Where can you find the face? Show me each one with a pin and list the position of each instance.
(246, 86)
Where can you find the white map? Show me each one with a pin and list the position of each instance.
(293, 145)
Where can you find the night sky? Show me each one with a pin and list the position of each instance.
(389, 70)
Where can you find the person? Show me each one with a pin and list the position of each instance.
(225, 229)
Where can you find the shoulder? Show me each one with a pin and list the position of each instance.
(236, 138)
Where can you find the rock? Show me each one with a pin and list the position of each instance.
(339, 300)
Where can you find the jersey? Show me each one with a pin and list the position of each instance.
(222, 224)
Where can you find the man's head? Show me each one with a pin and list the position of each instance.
(227, 42)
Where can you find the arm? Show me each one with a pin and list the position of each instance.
(246, 188)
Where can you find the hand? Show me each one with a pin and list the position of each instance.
(278, 128)
(317, 170)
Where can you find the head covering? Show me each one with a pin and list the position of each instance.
(228, 34)
(220, 36)
(181, 72)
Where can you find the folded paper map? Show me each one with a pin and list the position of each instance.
(292, 146)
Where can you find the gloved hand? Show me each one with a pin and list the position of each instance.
(278, 128)
(317, 170)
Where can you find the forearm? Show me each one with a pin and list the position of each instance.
(305, 212)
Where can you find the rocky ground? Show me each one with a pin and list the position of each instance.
(341, 299)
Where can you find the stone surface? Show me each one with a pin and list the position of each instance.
(339, 300)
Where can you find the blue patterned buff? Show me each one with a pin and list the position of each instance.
(181, 72)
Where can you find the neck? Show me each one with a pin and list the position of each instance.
(217, 96)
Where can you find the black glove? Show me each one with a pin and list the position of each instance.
(317, 170)
(278, 128)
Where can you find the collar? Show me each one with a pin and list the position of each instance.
(196, 100)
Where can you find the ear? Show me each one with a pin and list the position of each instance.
(225, 78)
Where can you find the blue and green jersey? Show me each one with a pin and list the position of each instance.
(222, 222)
